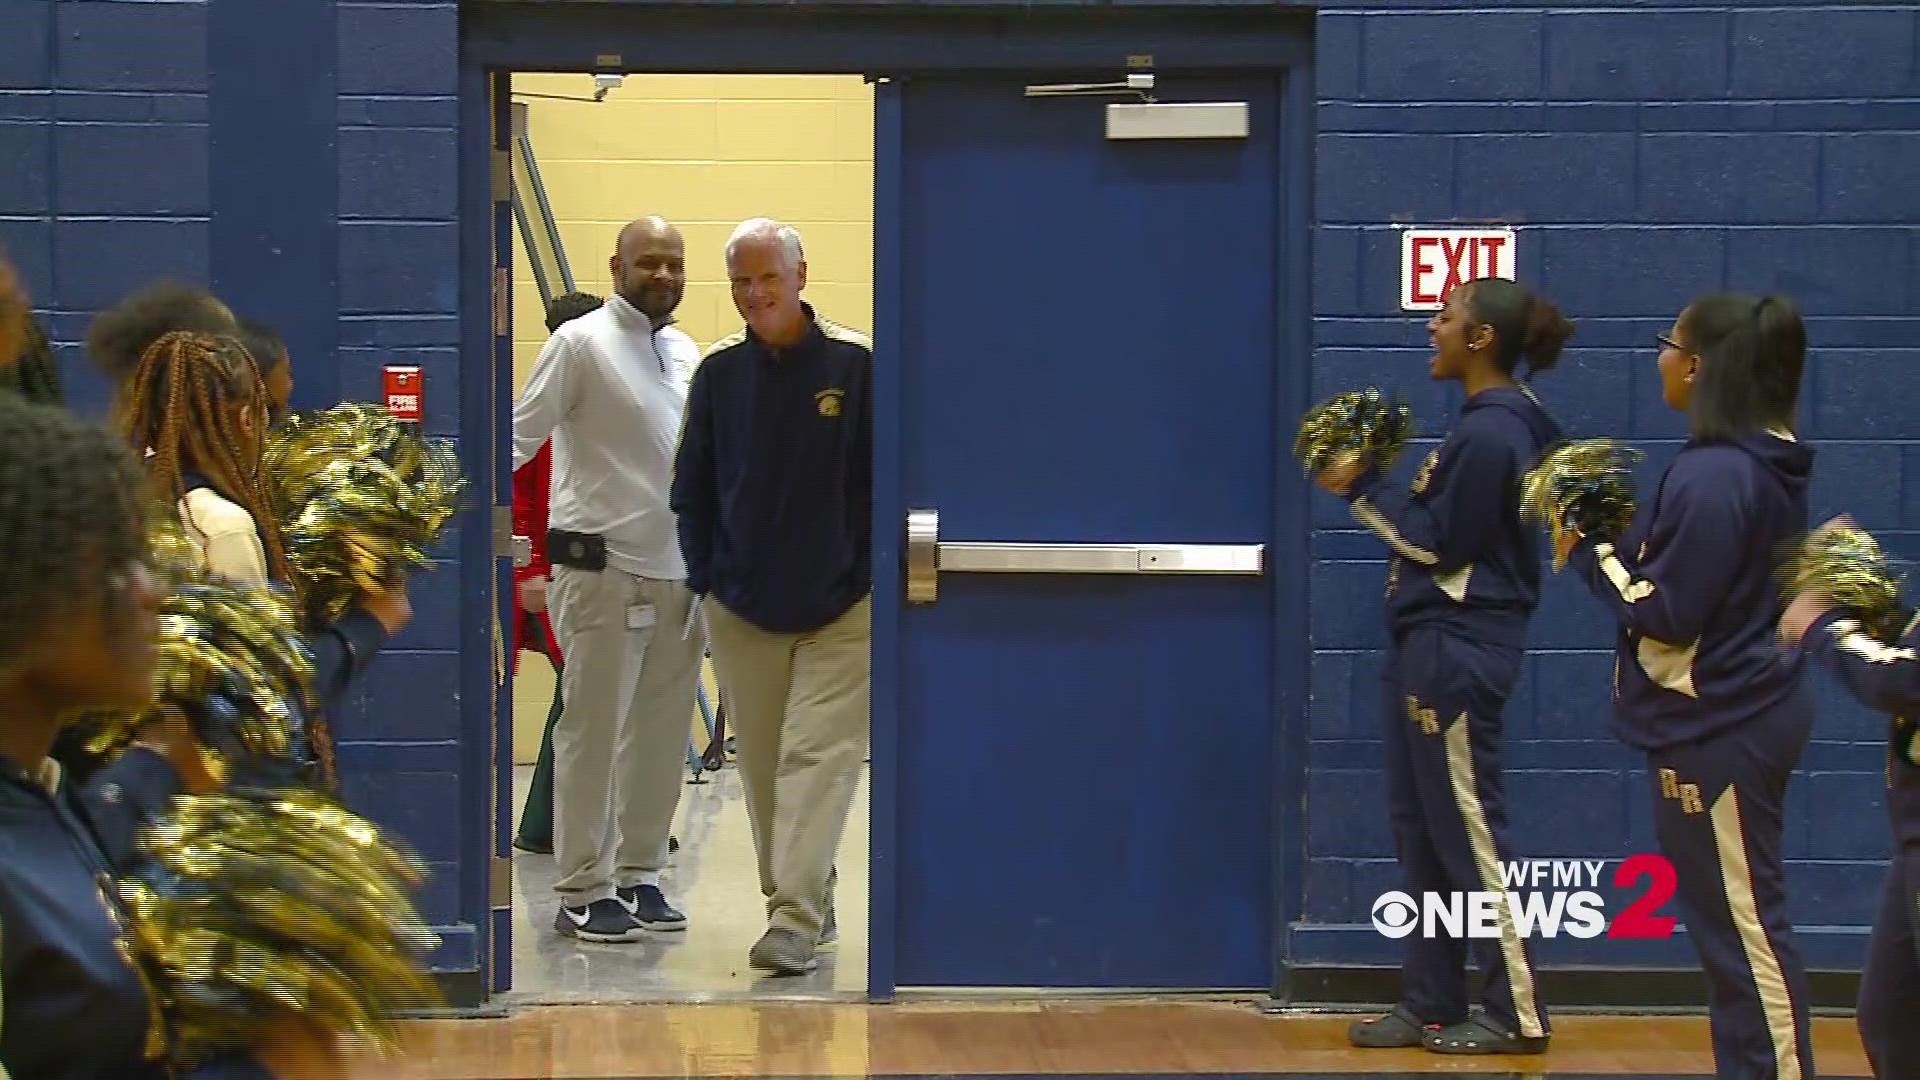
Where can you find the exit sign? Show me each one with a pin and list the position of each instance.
(1433, 261)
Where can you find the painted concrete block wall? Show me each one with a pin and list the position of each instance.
(103, 124)
(706, 151)
(1647, 153)
(398, 274)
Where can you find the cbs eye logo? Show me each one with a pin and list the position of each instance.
(1395, 914)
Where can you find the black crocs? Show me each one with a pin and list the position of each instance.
(1479, 1034)
(1397, 1029)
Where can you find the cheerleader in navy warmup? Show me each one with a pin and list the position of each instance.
(1699, 684)
(1884, 677)
(1462, 586)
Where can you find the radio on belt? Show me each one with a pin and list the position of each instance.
(404, 384)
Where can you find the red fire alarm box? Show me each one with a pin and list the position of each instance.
(403, 393)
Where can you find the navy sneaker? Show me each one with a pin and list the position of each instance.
(647, 906)
(606, 919)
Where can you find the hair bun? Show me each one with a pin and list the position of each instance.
(1547, 331)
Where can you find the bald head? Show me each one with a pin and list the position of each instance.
(650, 266)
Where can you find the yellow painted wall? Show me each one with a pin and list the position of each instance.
(706, 152)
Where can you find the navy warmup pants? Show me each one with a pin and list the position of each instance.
(1445, 694)
(1889, 1012)
(1718, 811)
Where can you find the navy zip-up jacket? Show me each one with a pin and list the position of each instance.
(773, 481)
(1692, 586)
(1461, 554)
(1887, 678)
(72, 1005)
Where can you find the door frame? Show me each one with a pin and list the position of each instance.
(891, 41)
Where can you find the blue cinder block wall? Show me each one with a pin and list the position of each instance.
(1647, 152)
(299, 157)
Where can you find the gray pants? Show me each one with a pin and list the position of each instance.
(628, 689)
(799, 705)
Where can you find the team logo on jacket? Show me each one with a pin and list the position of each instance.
(829, 400)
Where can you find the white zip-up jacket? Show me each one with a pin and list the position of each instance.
(609, 389)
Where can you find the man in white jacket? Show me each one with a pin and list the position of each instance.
(609, 389)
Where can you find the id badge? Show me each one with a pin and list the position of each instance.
(640, 617)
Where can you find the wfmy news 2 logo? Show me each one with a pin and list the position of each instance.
(1542, 898)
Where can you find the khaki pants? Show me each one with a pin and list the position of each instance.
(628, 696)
(799, 705)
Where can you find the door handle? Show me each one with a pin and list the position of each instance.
(928, 557)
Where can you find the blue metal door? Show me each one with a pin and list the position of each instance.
(1085, 359)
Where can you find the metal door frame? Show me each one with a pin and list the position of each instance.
(899, 40)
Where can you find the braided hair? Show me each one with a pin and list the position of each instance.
(182, 406)
(36, 375)
(71, 499)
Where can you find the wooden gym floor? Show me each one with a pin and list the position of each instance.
(1002, 1039)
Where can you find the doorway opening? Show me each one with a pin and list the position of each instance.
(589, 154)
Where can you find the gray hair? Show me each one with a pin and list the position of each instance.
(768, 229)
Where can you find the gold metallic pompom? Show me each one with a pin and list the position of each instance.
(250, 901)
(361, 499)
(1585, 486)
(1846, 564)
(233, 662)
(1361, 427)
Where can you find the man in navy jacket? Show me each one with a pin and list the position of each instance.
(772, 489)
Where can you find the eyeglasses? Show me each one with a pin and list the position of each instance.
(1668, 343)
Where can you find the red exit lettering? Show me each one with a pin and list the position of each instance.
(1439, 261)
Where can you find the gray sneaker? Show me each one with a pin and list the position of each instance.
(783, 952)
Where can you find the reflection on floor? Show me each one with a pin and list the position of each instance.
(713, 880)
(1008, 1039)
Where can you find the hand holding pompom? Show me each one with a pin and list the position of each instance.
(1346, 435)
(1582, 488)
(361, 497)
(1841, 565)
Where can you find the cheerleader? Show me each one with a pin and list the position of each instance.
(1884, 677)
(197, 407)
(1461, 587)
(78, 632)
(1699, 685)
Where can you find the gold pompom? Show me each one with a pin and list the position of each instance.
(1358, 427)
(232, 662)
(248, 902)
(1845, 563)
(1585, 486)
(361, 498)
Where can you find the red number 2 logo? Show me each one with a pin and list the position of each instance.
(1639, 920)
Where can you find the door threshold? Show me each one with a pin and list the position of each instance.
(518, 999)
(1046, 995)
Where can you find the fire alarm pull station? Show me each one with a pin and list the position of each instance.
(403, 392)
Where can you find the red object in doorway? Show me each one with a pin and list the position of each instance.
(530, 498)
